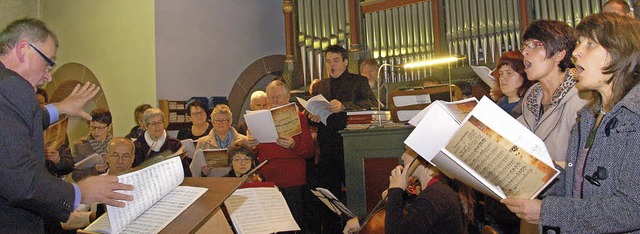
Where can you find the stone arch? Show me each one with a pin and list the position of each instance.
(255, 76)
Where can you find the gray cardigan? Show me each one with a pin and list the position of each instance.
(614, 206)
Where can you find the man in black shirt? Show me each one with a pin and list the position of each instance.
(346, 91)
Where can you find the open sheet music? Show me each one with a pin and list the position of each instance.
(317, 105)
(56, 134)
(260, 210)
(157, 200)
(485, 74)
(267, 125)
(489, 150)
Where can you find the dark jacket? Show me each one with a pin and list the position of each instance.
(28, 192)
(614, 206)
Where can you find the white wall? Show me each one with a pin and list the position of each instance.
(203, 46)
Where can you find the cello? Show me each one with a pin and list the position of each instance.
(374, 222)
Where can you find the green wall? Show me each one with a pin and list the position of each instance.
(115, 40)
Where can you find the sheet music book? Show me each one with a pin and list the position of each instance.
(157, 200)
(260, 210)
(56, 134)
(89, 162)
(488, 150)
(317, 105)
(217, 158)
(485, 74)
(332, 202)
(267, 125)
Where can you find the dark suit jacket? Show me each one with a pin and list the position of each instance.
(28, 193)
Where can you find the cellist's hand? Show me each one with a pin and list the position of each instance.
(352, 226)
(398, 178)
(384, 194)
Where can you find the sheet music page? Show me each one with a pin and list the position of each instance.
(166, 210)
(56, 134)
(436, 129)
(518, 173)
(501, 122)
(150, 185)
(260, 210)
(336, 202)
(286, 120)
(317, 105)
(326, 202)
(89, 162)
(408, 100)
(485, 74)
(262, 126)
(100, 225)
(198, 162)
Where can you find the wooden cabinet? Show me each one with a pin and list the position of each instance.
(369, 157)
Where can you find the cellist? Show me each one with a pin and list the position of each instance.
(437, 209)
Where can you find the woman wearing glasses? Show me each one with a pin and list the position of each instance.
(242, 160)
(549, 107)
(222, 136)
(197, 113)
(599, 191)
(155, 140)
(96, 142)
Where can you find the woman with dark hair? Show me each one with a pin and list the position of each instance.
(443, 205)
(242, 160)
(139, 129)
(599, 191)
(95, 143)
(513, 82)
(197, 113)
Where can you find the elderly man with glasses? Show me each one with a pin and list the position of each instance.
(28, 193)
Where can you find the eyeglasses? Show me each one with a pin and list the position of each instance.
(197, 113)
(220, 121)
(532, 45)
(47, 59)
(161, 122)
(115, 155)
(98, 127)
(246, 160)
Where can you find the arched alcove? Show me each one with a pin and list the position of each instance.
(255, 77)
(64, 80)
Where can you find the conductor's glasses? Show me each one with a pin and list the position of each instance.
(46, 59)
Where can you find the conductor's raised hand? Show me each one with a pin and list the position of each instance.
(103, 189)
(335, 106)
(398, 178)
(74, 103)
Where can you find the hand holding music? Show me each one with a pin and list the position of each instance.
(102, 189)
(52, 155)
(528, 210)
(206, 170)
(250, 142)
(398, 178)
(314, 118)
(285, 142)
(335, 106)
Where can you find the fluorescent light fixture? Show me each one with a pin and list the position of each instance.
(432, 62)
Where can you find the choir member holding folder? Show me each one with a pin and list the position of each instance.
(287, 156)
(599, 191)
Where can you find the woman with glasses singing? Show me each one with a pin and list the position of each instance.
(222, 136)
(155, 140)
(197, 113)
(550, 106)
(599, 191)
(96, 142)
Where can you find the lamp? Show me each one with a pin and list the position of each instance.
(424, 63)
